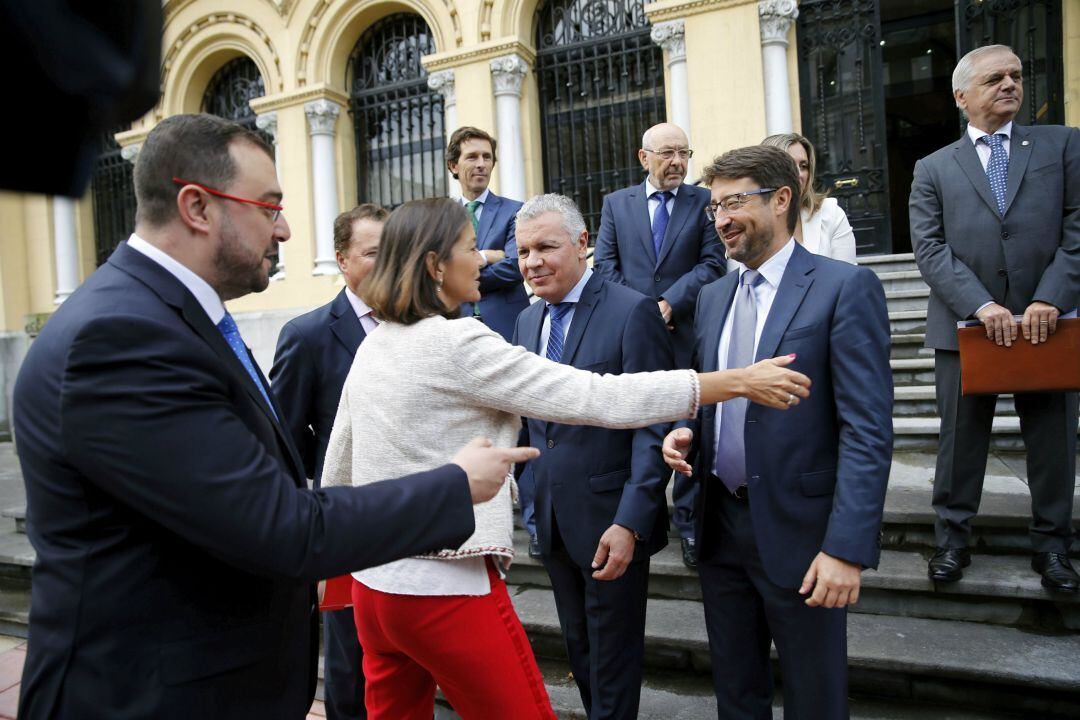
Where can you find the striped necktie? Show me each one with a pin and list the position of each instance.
(557, 332)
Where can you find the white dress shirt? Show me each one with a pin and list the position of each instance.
(650, 191)
(982, 148)
(363, 311)
(571, 297)
(206, 295)
(772, 270)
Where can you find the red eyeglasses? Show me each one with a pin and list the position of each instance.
(275, 210)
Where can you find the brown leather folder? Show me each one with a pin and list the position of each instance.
(987, 368)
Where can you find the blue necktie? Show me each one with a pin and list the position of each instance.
(231, 333)
(997, 169)
(730, 464)
(660, 221)
(556, 332)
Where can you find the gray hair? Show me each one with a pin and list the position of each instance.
(965, 69)
(572, 221)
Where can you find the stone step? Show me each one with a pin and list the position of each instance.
(909, 345)
(893, 280)
(974, 665)
(921, 433)
(907, 321)
(908, 300)
(998, 589)
(881, 264)
(18, 514)
(912, 371)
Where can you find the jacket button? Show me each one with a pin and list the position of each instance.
(1003, 273)
(1005, 235)
(656, 277)
(551, 443)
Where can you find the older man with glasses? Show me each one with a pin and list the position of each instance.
(655, 238)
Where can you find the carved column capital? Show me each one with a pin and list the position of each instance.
(267, 122)
(130, 152)
(776, 18)
(442, 82)
(508, 72)
(322, 116)
(671, 36)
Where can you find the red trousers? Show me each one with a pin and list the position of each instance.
(473, 647)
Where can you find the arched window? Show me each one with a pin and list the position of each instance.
(601, 81)
(399, 121)
(113, 193)
(230, 90)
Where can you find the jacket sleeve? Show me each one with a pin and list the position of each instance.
(710, 265)
(178, 451)
(1059, 282)
(504, 273)
(606, 252)
(292, 380)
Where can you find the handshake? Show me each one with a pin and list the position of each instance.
(488, 467)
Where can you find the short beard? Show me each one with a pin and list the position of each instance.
(236, 276)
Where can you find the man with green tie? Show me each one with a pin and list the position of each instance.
(470, 158)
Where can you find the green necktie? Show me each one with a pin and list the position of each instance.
(471, 208)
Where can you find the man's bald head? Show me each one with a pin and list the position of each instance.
(665, 138)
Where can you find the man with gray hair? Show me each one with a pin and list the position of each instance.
(600, 504)
(995, 226)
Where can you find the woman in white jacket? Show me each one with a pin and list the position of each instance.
(823, 227)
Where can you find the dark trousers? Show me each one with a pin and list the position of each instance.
(603, 624)
(1048, 426)
(744, 611)
(342, 667)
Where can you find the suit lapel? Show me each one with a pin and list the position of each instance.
(679, 215)
(346, 326)
(793, 286)
(487, 219)
(964, 152)
(715, 322)
(532, 321)
(1019, 154)
(639, 206)
(582, 312)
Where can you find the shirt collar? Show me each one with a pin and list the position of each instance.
(204, 294)
(482, 199)
(359, 306)
(773, 268)
(975, 133)
(575, 292)
(651, 189)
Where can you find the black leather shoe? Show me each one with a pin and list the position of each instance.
(1057, 573)
(689, 553)
(534, 547)
(947, 564)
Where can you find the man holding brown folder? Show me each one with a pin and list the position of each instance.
(995, 226)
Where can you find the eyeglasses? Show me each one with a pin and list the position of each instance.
(668, 153)
(273, 211)
(733, 202)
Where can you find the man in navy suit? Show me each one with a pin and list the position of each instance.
(314, 354)
(655, 238)
(176, 544)
(600, 504)
(471, 158)
(791, 502)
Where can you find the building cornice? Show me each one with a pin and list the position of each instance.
(661, 10)
(485, 51)
(300, 96)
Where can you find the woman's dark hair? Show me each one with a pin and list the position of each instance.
(400, 289)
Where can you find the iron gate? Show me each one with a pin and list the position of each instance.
(398, 120)
(230, 91)
(601, 83)
(113, 193)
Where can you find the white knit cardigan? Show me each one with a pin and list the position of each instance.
(417, 393)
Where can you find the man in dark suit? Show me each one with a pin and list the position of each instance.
(655, 238)
(995, 225)
(471, 157)
(176, 543)
(600, 505)
(314, 354)
(791, 502)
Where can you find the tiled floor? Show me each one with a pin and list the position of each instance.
(12, 656)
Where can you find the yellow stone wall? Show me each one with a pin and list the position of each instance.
(302, 48)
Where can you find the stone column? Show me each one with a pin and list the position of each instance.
(267, 122)
(130, 152)
(322, 117)
(671, 36)
(67, 248)
(776, 18)
(508, 72)
(442, 82)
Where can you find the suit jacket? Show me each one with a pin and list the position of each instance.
(588, 477)
(817, 472)
(175, 547)
(970, 255)
(502, 291)
(691, 255)
(314, 354)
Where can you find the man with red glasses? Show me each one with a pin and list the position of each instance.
(177, 544)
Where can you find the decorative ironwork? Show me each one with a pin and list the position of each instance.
(1033, 29)
(840, 82)
(398, 120)
(113, 193)
(230, 91)
(601, 83)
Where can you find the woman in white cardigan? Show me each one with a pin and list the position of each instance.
(424, 383)
(823, 227)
